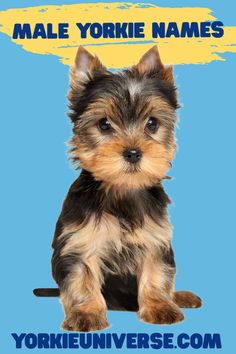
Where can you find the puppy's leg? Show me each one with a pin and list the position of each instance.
(155, 293)
(184, 299)
(80, 294)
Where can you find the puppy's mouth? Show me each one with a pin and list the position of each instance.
(132, 168)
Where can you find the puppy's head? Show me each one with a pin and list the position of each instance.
(124, 122)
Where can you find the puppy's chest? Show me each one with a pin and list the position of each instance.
(109, 239)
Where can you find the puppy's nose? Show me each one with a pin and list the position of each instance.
(132, 155)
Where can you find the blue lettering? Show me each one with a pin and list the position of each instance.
(158, 30)
(83, 29)
(108, 338)
(131, 340)
(119, 341)
(43, 340)
(196, 340)
(131, 30)
(121, 30)
(85, 340)
(156, 339)
(218, 31)
(63, 30)
(138, 30)
(212, 341)
(51, 34)
(18, 339)
(73, 341)
(99, 341)
(39, 31)
(205, 29)
(55, 340)
(172, 30)
(64, 340)
(168, 340)
(183, 340)
(31, 340)
(22, 31)
(108, 30)
(189, 30)
(96, 30)
(143, 340)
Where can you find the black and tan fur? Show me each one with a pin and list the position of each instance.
(112, 244)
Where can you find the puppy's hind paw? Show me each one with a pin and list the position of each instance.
(187, 299)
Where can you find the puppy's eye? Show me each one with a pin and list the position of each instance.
(152, 125)
(104, 125)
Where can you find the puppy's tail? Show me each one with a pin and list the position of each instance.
(46, 292)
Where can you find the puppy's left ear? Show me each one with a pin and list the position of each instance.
(85, 67)
(150, 63)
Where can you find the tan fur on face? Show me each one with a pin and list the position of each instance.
(107, 164)
(104, 159)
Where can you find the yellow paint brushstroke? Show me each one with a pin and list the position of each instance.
(117, 53)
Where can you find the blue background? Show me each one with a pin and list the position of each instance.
(35, 176)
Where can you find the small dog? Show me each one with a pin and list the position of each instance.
(112, 244)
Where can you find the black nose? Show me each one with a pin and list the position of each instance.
(132, 155)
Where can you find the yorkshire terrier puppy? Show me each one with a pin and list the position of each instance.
(112, 244)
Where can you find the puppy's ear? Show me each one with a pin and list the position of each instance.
(84, 68)
(150, 63)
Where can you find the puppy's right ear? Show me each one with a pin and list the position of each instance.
(84, 68)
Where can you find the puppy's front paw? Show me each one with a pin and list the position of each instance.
(161, 313)
(85, 322)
